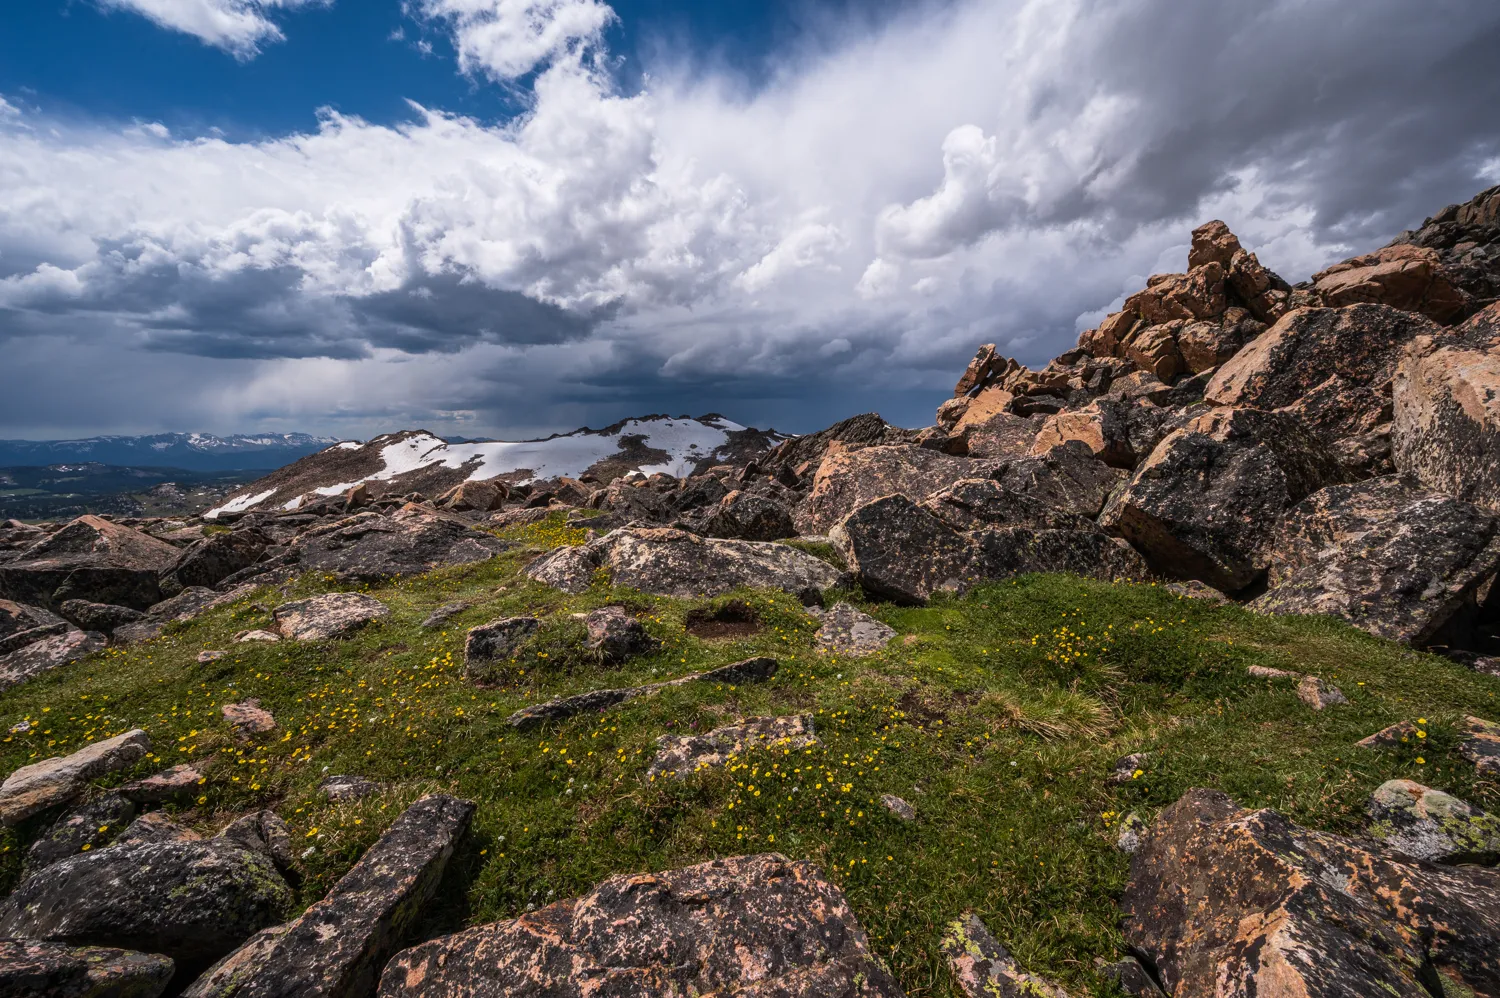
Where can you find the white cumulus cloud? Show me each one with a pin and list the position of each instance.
(504, 39)
(239, 27)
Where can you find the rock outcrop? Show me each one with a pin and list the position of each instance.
(847, 480)
(761, 925)
(335, 615)
(370, 547)
(48, 653)
(90, 559)
(34, 788)
(30, 969)
(683, 755)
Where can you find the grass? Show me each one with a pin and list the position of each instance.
(997, 715)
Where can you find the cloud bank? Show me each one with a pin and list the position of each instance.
(836, 240)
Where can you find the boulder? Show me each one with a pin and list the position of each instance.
(31, 969)
(89, 826)
(215, 558)
(34, 788)
(1224, 901)
(101, 617)
(263, 832)
(847, 631)
(683, 755)
(248, 720)
(334, 615)
(976, 503)
(1340, 409)
(901, 551)
(1411, 278)
(847, 480)
(410, 541)
(169, 784)
(983, 968)
(1428, 824)
(803, 454)
(616, 635)
(1206, 503)
(762, 925)
(336, 948)
(1390, 558)
(20, 619)
(1205, 345)
(1446, 424)
(1067, 478)
(1198, 294)
(1362, 344)
(749, 517)
(91, 559)
(192, 901)
(496, 641)
(667, 562)
(1481, 744)
(189, 604)
(257, 636)
(751, 670)
(47, 653)
(476, 497)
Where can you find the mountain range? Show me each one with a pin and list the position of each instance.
(189, 451)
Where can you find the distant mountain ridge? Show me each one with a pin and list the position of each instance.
(190, 451)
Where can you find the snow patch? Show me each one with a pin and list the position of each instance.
(238, 505)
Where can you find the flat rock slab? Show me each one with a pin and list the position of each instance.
(1481, 744)
(168, 784)
(191, 901)
(101, 617)
(30, 969)
(90, 559)
(248, 719)
(847, 631)
(342, 788)
(154, 826)
(48, 653)
(1400, 733)
(749, 671)
(41, 785)
(443, 614)
(336, 949)
(757, 926)
(369, 547)
(900, 808)
(1428, 824)
(1225, 901)
(334, 615)
(683, 755)
(667, 562)
(985, 969)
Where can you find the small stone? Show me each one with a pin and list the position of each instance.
(346, 788)
(32, 969)
(847, 631)
(1397, 734)
(1193, 589)
(985, 969)
(1318, 694)
(1132, 827)
(1127, 768)
(683, 755)
(616, 635)
(248, 719)
(205, 657)
(258, 635)
(153, 826)
(751, 670)
(1481, 744)
(898, 807)
(334, 615)
(1266, 672)
(1428, 824)
(41, 785)
(496, 641)
(170, 783)
(443, 614)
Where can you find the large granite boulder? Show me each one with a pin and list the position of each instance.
(336, 948)
(667, 562)
(847, 480)
(1206, 503)
(1411, 278)
(804, 454)
(21, 624)
(1466, 238)
(410, 541)
(1429, 824)
(747, 516)
(747, 925)
(92, 559)
(215, 558)
(1067, 477)
(1224, 901)
(333, 615)
(48, 652)
(1446, 430)
(31, 969)
(1389, 557)
(34, 788)
(192, 901)
(101, 617)
(901, 551)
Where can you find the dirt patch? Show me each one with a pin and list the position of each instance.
(734, 619)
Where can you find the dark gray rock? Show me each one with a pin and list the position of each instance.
(494, 642)
(336, 948)
(410, 541)
(443, 614)
(747, 516)
(92, 825)
(208, 562)
(90, 559)
(263, 832)
(616, 635)
(751, 670)
(99, 617)
(30, 969)
(762, 925)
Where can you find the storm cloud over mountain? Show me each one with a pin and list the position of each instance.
(836, 234)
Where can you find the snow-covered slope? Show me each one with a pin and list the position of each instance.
(418, 461)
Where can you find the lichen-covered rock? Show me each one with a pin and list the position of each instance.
(263, 832)
(1481, 744)
(751, 670)
(1428, 824)
(336, 948)
(189, 604)
(761, 926)
(847, 631)
(667, 562)
(34, 788)
(1225, 901)
(334, 615)
(849, 479)
(215, 558)
(342, 788)
(983, 968)
(616, 635)
(1400, 733)
(192, 901)
(1067, 478)
(48, 653)
(1411, 278)
(748, 517)
(17, 620)
(410, 541)
(1394, 560)
(1128, 767)
(1446, 429)
(683, 755)
(90, 826)
(1206, 503)
(495, 642)
(101, 617)
(31, 969)
(475, 497)
(90, 559)
(168, 784)
(900, 550)
(154, 826)
(977, 503)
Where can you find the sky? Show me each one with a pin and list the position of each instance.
(514, 217)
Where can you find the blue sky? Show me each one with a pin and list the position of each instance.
(228, 216)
